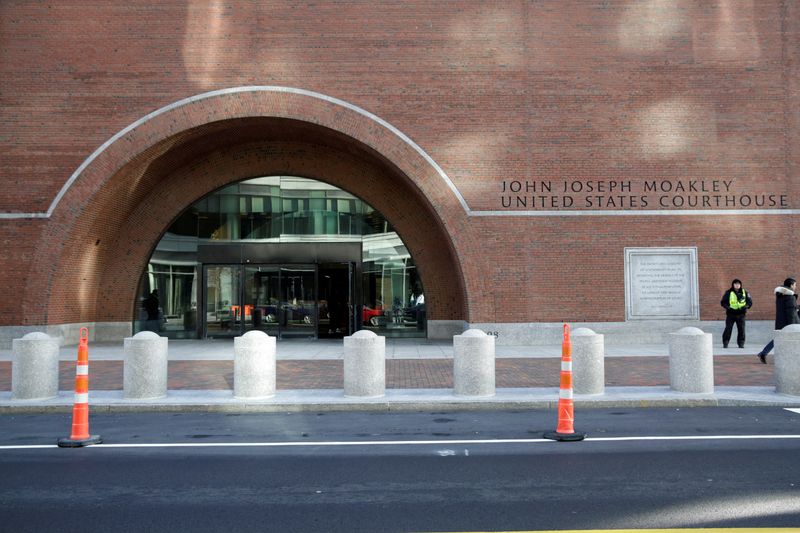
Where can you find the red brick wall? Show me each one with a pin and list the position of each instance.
(627, 90)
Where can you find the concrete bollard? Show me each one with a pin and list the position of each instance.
(473, 364)
(691, 361)
(254, 366)
(787, 360)
(588, 364)
(364, 364)
(144, 373)
(34, 367)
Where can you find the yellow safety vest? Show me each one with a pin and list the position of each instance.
(735, 303)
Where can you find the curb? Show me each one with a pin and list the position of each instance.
(401, 400)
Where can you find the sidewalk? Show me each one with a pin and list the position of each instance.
(222, 350)
(419, 375)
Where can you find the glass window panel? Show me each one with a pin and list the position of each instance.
(185, 224)
(208, 224)
(331, 220)
(228, 228)
(229, 204)
(262, 299)
(213, 203)
(298, 302)
(168, 301)
(344, 224)
(224, 314)
(246, 226)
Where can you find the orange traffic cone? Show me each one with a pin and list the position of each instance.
(565, 431)
(80, 410)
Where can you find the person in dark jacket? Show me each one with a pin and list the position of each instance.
(152, 306)
(785, 312)
(736, 302)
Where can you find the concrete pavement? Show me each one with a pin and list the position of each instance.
(222, 350)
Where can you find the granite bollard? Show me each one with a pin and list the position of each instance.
(473, 364)
(691, 361)
(588, 364)
(364, 364)
(787, 360)
(34, 367)
(144, 373)
(254, 366)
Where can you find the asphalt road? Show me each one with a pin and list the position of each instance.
(349, 472)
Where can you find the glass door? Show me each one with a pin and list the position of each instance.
(336, 300)
(298, 310)
(283, 301)
(262, 297)
(224, 315)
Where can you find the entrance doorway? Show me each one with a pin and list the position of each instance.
(294, 290)
(289, 256)
(284, 301)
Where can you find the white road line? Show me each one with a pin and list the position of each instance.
(305, 444)
(793, 409)
(28, 447)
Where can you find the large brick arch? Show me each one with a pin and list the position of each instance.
(102, 232)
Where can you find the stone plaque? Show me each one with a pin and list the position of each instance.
(661, 283)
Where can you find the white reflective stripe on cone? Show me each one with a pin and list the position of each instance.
(566, 366)
(565, 394)
(81, 397)
(82, 370)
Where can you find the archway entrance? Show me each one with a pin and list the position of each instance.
(116, 207)
(290, 256)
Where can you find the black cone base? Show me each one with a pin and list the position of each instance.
(69, 443)
(564, 437)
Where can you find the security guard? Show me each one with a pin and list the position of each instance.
(736, 302)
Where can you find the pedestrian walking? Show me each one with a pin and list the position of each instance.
(736, 302)
(153, 308)
(785, 312)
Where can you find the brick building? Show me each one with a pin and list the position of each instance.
(412, 167)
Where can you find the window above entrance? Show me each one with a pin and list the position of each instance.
(279, 209)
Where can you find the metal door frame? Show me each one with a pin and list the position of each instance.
(280, 255)
(353, 308)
